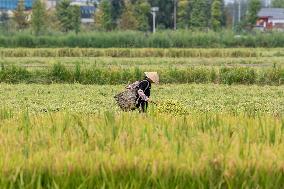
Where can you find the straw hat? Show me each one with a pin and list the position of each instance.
(153, 76)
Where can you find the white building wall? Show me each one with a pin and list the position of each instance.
(276, 21)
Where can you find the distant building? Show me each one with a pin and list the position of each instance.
(270, 18)
(6, 5)
(87, 14)
(9, 6)
(87, 8)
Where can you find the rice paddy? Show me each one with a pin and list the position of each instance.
(99, 98)
(202, 133)
(128, 150)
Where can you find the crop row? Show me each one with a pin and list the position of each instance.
(173, 99)
(132, 52)
(147, 63)
(64, 150)
(60, 74)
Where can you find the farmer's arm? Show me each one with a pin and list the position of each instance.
(142, 87)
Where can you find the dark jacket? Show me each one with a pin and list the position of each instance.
(144, 92)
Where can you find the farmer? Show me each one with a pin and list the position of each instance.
(144, 90)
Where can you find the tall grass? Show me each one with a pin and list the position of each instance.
(130, 39)
(59, 73)
(109, 150)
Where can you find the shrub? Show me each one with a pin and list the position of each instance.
(96, 75)
(14, 74)
(237, 76)
(59, 73)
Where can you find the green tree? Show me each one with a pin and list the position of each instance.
(63, 15)
(38, 18)
(52, 20)
(216, 15)
(165, 14)
(142, 12)
(20, 16)
(278, 3)
(228, 17)
(128, 20)
(75, 12)
(199, 13)
(253, 8)
(223, 14)
(182, 14)
(4, 18)
(68, 16)
(98, 16)
(103, 16)
(116, 9)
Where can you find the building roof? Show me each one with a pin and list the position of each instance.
(276, 13)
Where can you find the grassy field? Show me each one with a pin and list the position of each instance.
(121, 65)
(200, 98)
(69, 150)
(109, 70)
(142, 63)
(142, 52)
(144, 58)
(218, 122)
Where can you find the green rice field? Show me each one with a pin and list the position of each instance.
(200, 98)
(218, 121)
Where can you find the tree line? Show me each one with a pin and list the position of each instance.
(191, 14)
(134, 15)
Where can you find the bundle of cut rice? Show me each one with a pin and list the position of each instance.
(126, 100)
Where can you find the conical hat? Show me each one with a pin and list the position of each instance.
(153, 76)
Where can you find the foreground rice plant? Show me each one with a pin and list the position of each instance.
(70, 150)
